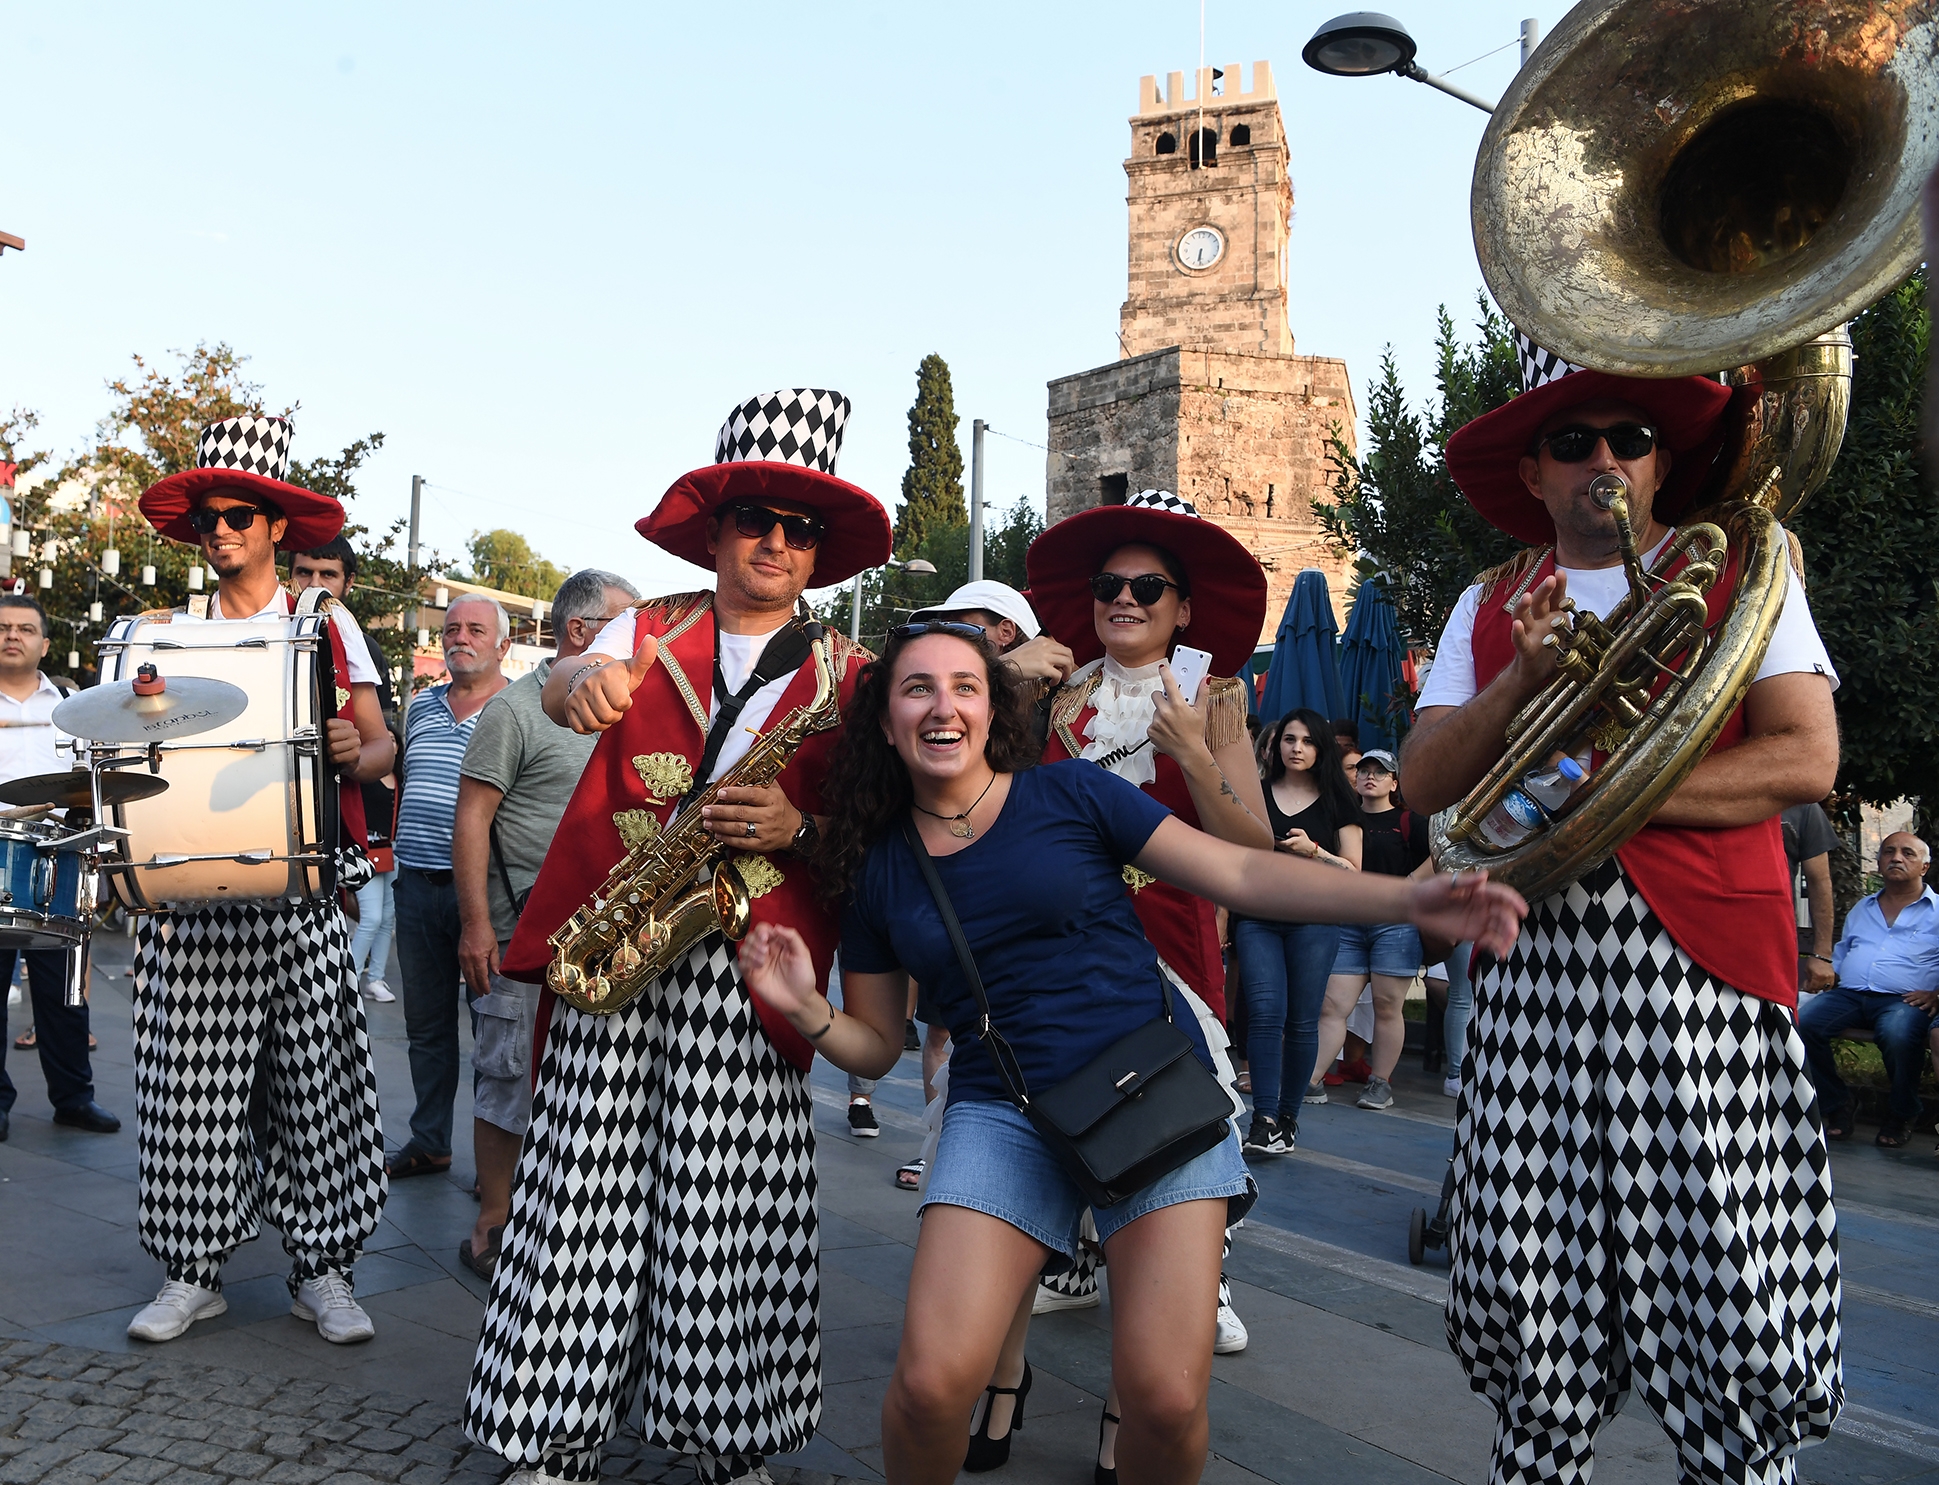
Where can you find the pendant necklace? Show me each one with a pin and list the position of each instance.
(959, 825)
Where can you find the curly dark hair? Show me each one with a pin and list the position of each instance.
(1329, 774)
(867, 788)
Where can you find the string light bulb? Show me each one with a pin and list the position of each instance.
(94, 612)
(47, 577)
(111, 562)
(148, 575)
(195, 579)
(23, 542)
(73, 659)
(423, 639)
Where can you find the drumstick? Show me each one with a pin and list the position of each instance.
(27, 812)
(25, 724)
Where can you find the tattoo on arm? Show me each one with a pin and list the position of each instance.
(1225, 788)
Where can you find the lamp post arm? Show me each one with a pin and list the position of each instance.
(1417, 73)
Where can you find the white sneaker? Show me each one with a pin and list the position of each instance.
(176, 1308)
(1315, 1093)
(378, 991)
(339, 1318)
(1049, 1300)
(534, 1477)
(1232, 1337)
(1452, 1087)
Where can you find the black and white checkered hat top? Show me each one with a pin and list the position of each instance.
(1539, 366)
(1162, 500)
(253, 445)
(802, 425)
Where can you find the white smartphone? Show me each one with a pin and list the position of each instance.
(1190, 667)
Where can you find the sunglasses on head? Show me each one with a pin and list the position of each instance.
(239, 517)
(938, 626)
(1573, 444)
(802, 533)
(1146, 588)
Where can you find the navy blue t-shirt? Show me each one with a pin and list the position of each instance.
(1064, 960)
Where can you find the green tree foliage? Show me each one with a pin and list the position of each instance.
(889, 596)
(1869, 537)
(88, 505)
(505, 560)
(1397, 509)
(932, 490)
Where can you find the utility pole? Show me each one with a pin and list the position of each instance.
(1531, 38)
(976, 500)
(417, 504)
(855, 613)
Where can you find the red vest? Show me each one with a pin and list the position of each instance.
(663, 732)
(1723, 894)
(1183, 929)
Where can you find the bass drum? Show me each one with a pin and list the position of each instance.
(250, 811)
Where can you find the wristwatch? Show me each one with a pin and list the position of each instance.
(807, 837)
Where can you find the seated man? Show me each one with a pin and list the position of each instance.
(1887, 963)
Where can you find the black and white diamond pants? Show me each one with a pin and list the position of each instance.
(662, 1239)
(1080, 1278)
(1642, 1200)
(219, 993)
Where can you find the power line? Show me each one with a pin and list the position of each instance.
(1484, 56)
(1013, 438)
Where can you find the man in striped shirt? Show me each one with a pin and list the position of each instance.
(437, 729)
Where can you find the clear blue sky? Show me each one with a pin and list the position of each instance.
(544, 249)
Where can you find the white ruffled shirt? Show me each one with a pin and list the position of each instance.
(1124, 709)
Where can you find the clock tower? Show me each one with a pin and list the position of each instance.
(1210, 204)
(1209, 399)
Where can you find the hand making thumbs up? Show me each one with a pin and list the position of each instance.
(601, 694)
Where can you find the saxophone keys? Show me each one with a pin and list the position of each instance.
(626, 961)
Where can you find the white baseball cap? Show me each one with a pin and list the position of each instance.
(987, 597)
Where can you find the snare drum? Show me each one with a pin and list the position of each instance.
(251, 806)
(42, 902)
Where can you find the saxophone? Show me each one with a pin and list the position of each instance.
(668, 893)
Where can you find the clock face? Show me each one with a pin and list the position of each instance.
(1200, 248)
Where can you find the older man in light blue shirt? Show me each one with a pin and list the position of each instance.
(1887, 963)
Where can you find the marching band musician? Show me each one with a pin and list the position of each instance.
(1642, 1196)
(662, 1236)
(222, 988)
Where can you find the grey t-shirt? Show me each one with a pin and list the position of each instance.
(520, 751)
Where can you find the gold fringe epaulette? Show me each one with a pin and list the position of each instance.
(1514, 569)
(1225, 712)
(671, 607)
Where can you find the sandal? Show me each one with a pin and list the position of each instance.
(1100, 1473)
(1244, 1081)
(1892, 1136)
(483, 1263)
(909, 1177)
(411, 1161)
(986, 1453)
(1838, 1126)
(25, 1041)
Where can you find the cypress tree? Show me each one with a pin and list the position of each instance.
(932, 490)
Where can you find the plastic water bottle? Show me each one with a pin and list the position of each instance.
(1525, 810)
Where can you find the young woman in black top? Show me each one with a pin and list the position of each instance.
(1394, 844)
(1283, 966)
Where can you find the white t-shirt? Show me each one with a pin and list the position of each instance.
(1795, 645)
(27, 742)
(739, 654)
(356, 651)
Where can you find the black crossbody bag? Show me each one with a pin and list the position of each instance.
(1139, 1110)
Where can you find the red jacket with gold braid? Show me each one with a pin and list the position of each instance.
(637, 773)
(1723, 894)
(1182, 928)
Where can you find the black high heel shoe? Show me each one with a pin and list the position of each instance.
(1099, 1474)
(986, 1453)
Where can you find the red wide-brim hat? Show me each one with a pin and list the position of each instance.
(314, 519)
(1228, 587)
(778, 447)
(1484, 456)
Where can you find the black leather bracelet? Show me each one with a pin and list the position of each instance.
(815, 1036)
(1821, 958)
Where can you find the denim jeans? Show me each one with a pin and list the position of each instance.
(1282, 974)
(376, 922)
(60, 1031)
(1460, 1011)
(1901, 1032)
(427, 954)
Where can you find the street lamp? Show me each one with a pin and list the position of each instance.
(1366, 43)
(919, 567)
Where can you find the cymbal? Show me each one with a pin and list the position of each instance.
(74, 791)
(117, 713)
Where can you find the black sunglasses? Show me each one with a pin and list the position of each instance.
(803, 533)
(1146, 588)
(239, 517)
(939, 626)
(1573, 444)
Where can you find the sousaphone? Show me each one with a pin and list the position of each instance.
(1679, 187)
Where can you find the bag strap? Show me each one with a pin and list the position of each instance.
(782, 655)
(504, 874)
(1006, 1060)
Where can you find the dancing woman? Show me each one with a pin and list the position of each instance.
(1033, 861)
